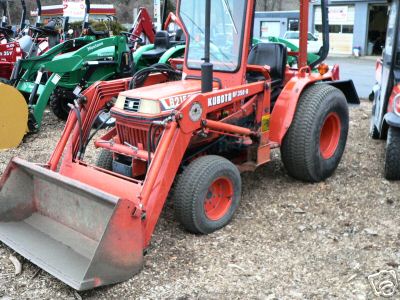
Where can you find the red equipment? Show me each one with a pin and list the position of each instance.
(143, 27)
(12, 49)
(89, 225)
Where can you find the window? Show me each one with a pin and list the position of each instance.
(293, 25)
(227, 28)
(347, 29)
(337, 28)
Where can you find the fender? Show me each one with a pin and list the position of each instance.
(392, 119)
(173, 52)
(137, 55)
(285, 107)
(348, 89)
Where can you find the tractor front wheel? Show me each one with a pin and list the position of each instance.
(207, 194)
(315, 142)
(59, 101)
(392, 157)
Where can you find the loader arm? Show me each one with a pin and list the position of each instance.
(26, 69)
(82, 61)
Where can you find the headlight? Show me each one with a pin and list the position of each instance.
(150, 107)
(136, 105)
(120, 103)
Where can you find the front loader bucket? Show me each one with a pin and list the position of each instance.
(79, 234)
(13, 116)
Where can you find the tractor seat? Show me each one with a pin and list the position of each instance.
(99, 34)
(161, 45)
(50, 28)
(273, 55)
(179, 38)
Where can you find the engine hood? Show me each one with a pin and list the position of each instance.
(170, 94)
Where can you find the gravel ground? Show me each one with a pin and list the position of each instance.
(288, 240)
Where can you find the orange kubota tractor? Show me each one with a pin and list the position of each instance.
(89, 225)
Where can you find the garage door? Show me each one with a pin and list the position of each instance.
(341, 27)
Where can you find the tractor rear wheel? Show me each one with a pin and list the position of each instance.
(315, 142)
(207, 194)
(105, 160)
(392, 157)
(59, 101)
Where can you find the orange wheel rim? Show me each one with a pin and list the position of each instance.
(330, 136)
(218, 199)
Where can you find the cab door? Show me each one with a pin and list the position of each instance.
(390, 67)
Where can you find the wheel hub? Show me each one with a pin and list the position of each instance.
(218, 199)
(330, 135)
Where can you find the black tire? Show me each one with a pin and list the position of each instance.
(193, 191)
(373, 130)
(371, 96)
(105, 160)
(392, 157)
(59, 101)
(302, 152)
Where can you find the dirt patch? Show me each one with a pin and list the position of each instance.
(288, 240)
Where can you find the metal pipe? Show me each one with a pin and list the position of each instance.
(87, 13)
(157, 162)
(304, 6)
(39, 8)
(228, 128)
(325, 34)
(23, 17)
(122, 149)
(207, 67)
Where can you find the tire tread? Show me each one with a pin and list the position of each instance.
(392, 157)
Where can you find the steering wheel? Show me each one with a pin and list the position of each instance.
(130, 35)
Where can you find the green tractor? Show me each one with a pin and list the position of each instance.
(292, 60)
(59, 76)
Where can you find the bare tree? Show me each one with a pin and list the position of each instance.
(125, 7)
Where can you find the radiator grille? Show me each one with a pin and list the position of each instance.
(134, 136)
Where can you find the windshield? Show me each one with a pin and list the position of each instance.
(227, 27)
(292, 35)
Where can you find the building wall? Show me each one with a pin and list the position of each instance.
(361, 19)
(282, 17)
(271, 5)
